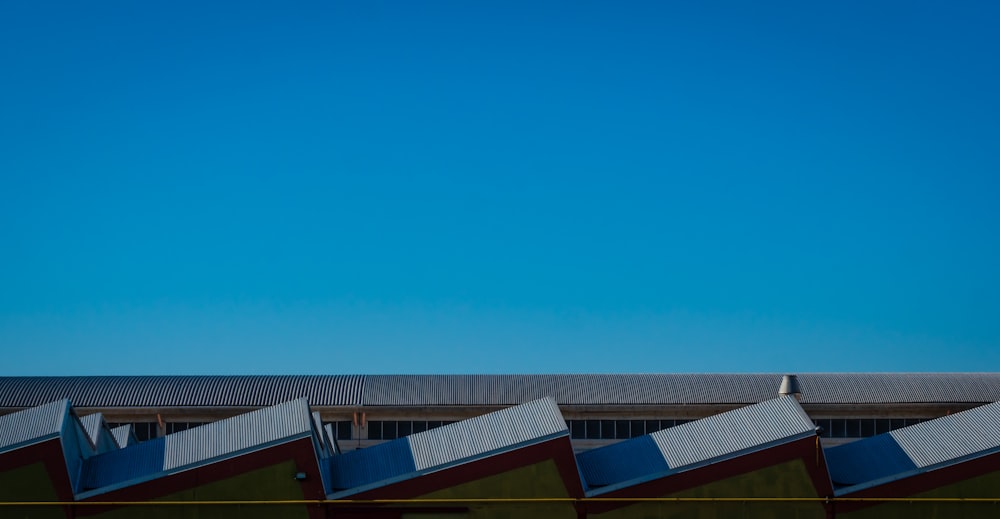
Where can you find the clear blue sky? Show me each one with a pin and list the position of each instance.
(476, 187)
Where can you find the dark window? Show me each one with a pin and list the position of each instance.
(638, 428)
(867, 427)
(680, 422)
(622, 429)
(607, 429)
(652, 426)
(419, 426)
(374, 430)
(838, 428)
(897, 423)
(447, 422)
(433, 424)
(343, 430)
(593, 429)
(882, 426)
(578, 429)
(853, 428)
(913, 421)
(389, 430)
(405, 428)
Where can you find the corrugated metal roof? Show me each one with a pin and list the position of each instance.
(124, 435)
(953, 437)
(98, 432)
(182, 391)
(864, 460)
(732, 432)
(619, 462)
(488, 433)
(496, 390)
(29, 425)
(925, 446)
(232, 435)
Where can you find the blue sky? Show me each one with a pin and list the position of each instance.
(476, 187)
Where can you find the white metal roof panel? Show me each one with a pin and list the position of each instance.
(23, 427)
(236, 434)
(734, 432)
(950, 438)
(493, 432)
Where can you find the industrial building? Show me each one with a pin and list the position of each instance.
(812, 445)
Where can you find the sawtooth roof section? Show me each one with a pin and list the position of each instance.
(709, 440)
(461, 442)
(198, 446)
(918, 448)
(495, 390)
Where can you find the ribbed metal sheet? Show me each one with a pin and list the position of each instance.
(217, 439)
(496, 390)
(488, 433)
(646, 389)
(620, 462)
(866, 460)
(953, 437)
(124, 435)
(92, 424)
(182, 391)
(738, 431)
(367, 466)
(119, 466)
(30, 424)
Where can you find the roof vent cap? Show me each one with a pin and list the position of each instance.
(790, 386)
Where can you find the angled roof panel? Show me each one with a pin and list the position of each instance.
(852, 463)
(902, 453)
(952, 437)
(624, 461)
(533, 421)
(230, 436)
(733, 432)
(717, 438)
(124, 435)
(30, 425)
(382, 462)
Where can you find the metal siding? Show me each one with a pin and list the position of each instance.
(953, 437)
(488, 433)
(134, 462)
(866, 460)
(367, 466)
(621, 462)
(34, 423)
(741, 430)
(496, 390)
(236, 434)
(182, 391)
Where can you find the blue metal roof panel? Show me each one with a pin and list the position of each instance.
(866, 460)
(239, 433)
(956, 437)
(136, 462)
(488, 434)
(739, 431)
(620, 462)
(367, 467)
(36, 423)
